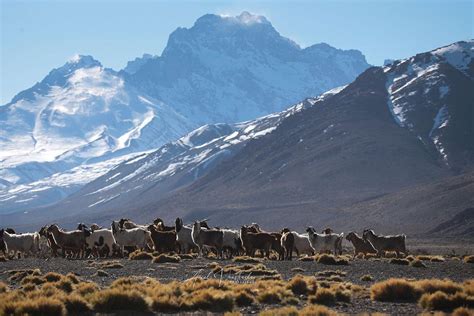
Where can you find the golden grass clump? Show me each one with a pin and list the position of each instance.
(394, 290)
(211, 300)
(462, 311)
(366, 278)
(433, 285)
(298, 285)
(243, 298)
(75, 305)
(331, 260)
(186, 256)
(246, 259)
(323, 296)
(3, 287)
(110, 300)
(307, 258)
(18, 275)
(417, 264)
(297, 269)
(403, 262)
(113, 264)
(469, 259)
(140, 255)
(310, 310)
(430, 258)
(85, 289)
(35, 306)
(247, 269)
(163, 258)
(445, 302)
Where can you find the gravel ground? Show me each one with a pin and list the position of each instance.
(379, 270)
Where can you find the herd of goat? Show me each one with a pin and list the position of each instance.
(126, 236)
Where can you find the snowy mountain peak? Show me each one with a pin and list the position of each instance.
(83, 61)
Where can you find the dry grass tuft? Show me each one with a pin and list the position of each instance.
(248, 269)
(403, 262)
(331, 260)
(243, 299)
(430, 258)
(323, 296)
(140, 255)
(53, 277)
(297, 269)
(117, 300)
(211, 300)
(307, 258)
(246, 259)
(469, 259)
(163, 258)
(35, 306)
(298, 285)
(3, 287)
(107, 264)
(394, 290)
(445, 302)
(366, 278)
(186, 256)
(310, 310)
(102, 273)
(76, 305)
(417, 264)
(462, 311)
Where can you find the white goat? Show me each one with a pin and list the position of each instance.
(27, 243)
(135, 237)
(386, 243)
(101, 240)
(325, 242)
(231, 241)
(302, 245)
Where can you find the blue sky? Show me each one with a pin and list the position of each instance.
(39, 35)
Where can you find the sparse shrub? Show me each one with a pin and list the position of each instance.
(102, 273)
(73, 278)
(246, 259)
(437, 259)
(269, 297)
(52, 277)
(36, 306)
(331, 260)
(186, 256)
(343, 296)
(462, 311)
(32, 279)
(316, 310)
(3, 287)
(108, 265)
(63, 285)
(298, 285)
(433, 285)
(447, 302)
(394, 290)
(75, 305)
(403, 262)
(297, 269)
(366, 278)
(140, 255)
(335, 278)
(323, 296)
(469, 259)
(390, 254)
(211, 300)
(117, 300)
(243, 299)
(410, 258)
(290, 301)
(282, 311)
(417, 264)
(430, 258)
(306, 258)
(163, 258)
(86, 288)
(166, 303)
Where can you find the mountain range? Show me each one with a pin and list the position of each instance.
(392, 150)
(83, 119)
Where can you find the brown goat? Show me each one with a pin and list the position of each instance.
(276, 245)
(360, 245)
(163, 241)
(253, 241)
(74, 240)
(51, 242)
(287, 242)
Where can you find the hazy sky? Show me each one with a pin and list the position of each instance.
(39, 35)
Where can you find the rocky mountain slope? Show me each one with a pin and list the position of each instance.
(64, 131)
